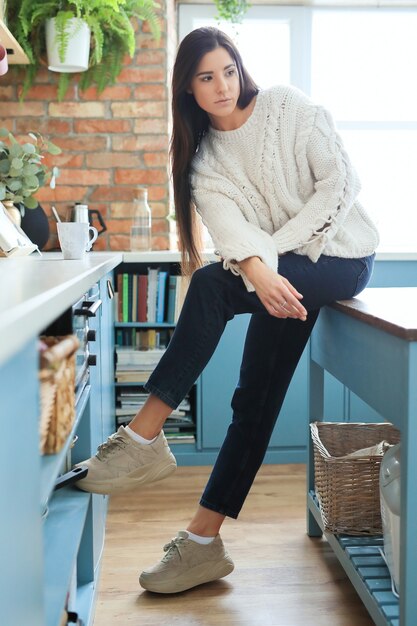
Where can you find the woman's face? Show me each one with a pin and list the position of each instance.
(215, 85)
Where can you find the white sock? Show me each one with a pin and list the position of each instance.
(137, 437)
(198, 539)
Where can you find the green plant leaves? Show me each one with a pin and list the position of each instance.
(4, 166)
(52, 148)
(15, 185)
(15, 150)
(31, 182)
(21, 169)
(30, 169)
(30, 202)
(17, 164)
(29, 148)
(231, 10)
(112, 31)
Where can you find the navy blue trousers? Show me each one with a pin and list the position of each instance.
(273, 347)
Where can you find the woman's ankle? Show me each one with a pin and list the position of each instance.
(206, 523)
(150, 419)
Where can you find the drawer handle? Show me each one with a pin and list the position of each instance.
(110, 289)
(89, 309)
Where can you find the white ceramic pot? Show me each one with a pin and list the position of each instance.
(78, 49)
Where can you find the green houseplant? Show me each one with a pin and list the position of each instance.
(231, 10)
(22, 171)
(112, 34)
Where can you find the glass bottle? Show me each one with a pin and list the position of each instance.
(140, 231)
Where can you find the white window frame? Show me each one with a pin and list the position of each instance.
(301, 24)
(298, 17)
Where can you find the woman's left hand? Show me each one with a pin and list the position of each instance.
(276, 293)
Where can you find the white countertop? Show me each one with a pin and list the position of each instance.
(35, 290)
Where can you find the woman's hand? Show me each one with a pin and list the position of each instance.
(275, 292)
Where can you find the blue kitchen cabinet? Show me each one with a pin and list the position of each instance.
(340, 403)
(21, 571)
(218, 382)
(51, 541)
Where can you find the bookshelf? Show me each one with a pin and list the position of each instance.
(149, 295)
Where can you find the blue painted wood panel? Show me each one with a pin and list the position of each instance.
(21, 542)
(340, 403)
(218, 382)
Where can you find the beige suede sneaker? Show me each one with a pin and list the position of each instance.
(121, 464)
(187, 564)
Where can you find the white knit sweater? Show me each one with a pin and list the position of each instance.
(281, 182)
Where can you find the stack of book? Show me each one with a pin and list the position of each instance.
(135, 366)
(179, 427)
(143, 338)
(155, 297)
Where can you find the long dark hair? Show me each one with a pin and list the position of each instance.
(190, 123)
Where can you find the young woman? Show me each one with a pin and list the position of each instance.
(267, 172)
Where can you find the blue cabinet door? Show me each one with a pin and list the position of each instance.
(21, 540)
(218, 382)
(341, 404)
(107, 357)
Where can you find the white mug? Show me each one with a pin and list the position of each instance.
(74, 238)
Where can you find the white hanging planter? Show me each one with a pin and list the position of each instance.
(78, 48)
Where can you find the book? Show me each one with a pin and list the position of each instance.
(181, 292)
(142, 297)
(152, 293)
(119, 310)
(172, 289)
(134, 376)
(125, 315)
(160, 299)
(134, 316)
(180, 438)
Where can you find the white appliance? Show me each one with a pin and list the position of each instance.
(390, 492)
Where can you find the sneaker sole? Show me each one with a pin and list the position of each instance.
(130, 481)
(198, 575)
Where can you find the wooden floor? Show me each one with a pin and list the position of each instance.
(281, 577)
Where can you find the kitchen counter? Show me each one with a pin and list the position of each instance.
(35, 290)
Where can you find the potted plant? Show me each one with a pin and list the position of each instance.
(22, 171)
(110, 24)
(67, 43)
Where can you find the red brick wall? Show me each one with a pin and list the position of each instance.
(110, 142)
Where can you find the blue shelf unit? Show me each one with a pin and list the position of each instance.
(185, 453)
(363, 563)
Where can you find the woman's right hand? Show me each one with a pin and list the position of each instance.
(275, 292)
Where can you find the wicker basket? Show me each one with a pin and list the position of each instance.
(347, 487)
(57, 393)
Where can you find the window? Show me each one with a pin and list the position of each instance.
(359, 63)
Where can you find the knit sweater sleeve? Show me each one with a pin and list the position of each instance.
(336, 187)
(234, 237)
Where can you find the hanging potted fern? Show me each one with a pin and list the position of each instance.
(111, 24)
(67, 43)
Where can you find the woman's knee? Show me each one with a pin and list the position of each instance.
(208, 277)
